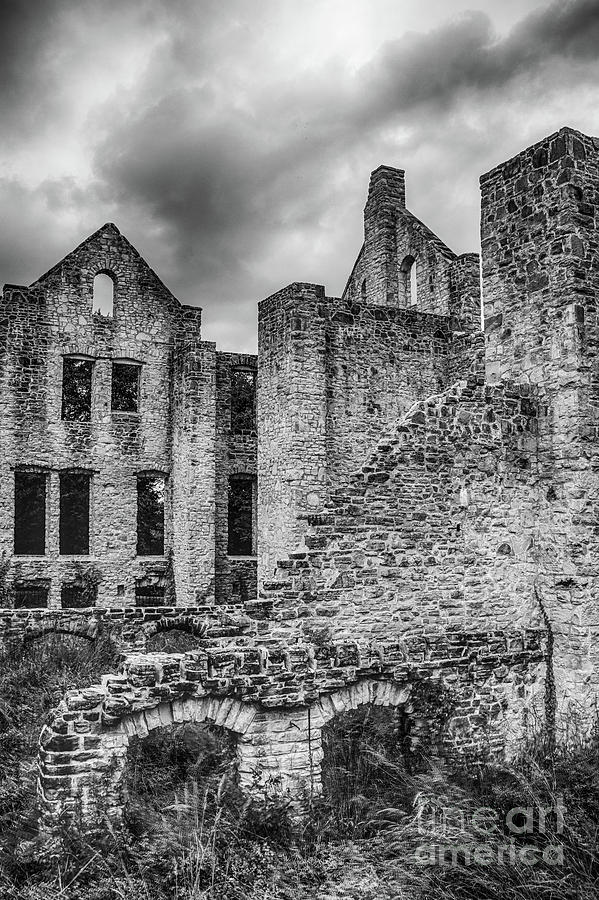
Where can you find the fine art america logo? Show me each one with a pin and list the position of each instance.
(525, 835)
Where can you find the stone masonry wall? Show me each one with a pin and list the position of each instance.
(38, 327)
(541, 282)
(194, 470)
(459, 691)
(335, 373)
(236, 454)
(292, 464)
(436, 530)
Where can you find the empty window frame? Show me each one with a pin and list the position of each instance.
(150, 515)
(243, 400)
(103, 300)
(242, 514)
(74, 513)
(408, 281)
(30, 513)
(76, 389)
(149, 594)
(125, 387)
(31, 594)
(72, 596)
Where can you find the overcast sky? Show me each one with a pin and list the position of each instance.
(231, 140)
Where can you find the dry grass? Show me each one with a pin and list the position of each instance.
(190, 835)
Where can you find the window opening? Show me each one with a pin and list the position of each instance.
(409, 286)
(74, 513)
(76, 389)
(242, 511)
(30, 513)
(125, 387)
(103, 302)
(71, 596)
(32, 593)
(150, 515)
(243, 400)
(413, 286)
(149, 594)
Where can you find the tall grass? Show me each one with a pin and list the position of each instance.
(189, 834)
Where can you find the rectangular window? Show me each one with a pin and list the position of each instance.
(76, 389)
(125, 387)
(243, 400)
(150, 515)
(74, 513)
(242, 502)
(72, 597)
(149, 594)
(30, 513)
(31, 594)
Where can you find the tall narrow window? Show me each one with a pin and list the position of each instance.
(30, 513)
(150, 515)
(103, 302)
(74, 513)
(413, 286)
(242, 504)
(76, 389)
(243, 400)
(125, 387)
(408, 283)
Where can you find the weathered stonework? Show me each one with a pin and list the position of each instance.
(276, 702)
(427, 498)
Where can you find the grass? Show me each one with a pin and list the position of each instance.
(190, 835)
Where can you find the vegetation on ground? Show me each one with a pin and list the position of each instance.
(391, 824)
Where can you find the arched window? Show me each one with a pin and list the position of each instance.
(408, 282)
(103, 294)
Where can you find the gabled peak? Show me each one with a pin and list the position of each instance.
(107, 250)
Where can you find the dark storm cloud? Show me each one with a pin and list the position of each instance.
(236, 166)
(27, 31)
(433, 68)
(227, 179)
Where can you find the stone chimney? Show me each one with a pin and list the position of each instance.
(386, 196)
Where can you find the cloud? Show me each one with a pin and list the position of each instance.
(238, 162)
(436, 67)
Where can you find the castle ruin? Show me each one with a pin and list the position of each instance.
(387, 505)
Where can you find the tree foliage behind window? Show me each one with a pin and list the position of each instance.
(125, 387)
(150, 515)
(243, 400)
(76, 389)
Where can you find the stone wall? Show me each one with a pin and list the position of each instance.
(460, 691)
(42, 324)
(335, 373)
(292, 464)
(435, 530)
(541, 282)
(130, 627)
(173, 434)
(236, 454)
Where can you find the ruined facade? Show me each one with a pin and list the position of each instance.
(398, 508)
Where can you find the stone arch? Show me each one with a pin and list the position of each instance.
(366, 691)
(191, 625)
(82, 764)
(83, 629)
